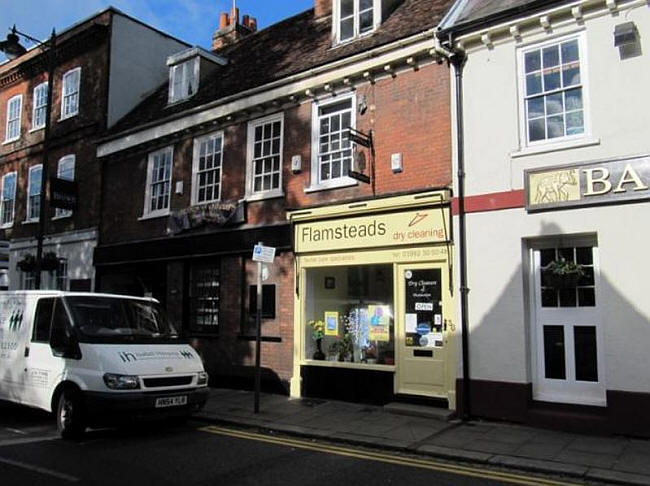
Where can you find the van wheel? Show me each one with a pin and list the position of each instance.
(70, 415)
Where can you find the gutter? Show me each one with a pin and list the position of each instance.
(422, 36)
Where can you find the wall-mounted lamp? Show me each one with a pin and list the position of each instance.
(626, 38)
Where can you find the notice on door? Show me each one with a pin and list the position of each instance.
(423, 306)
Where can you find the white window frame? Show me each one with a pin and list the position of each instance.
(345, 181)
(18, 119)
(28, 206)
(251, 194)
(195, 167)
(584, 84)
(38, 92)
(10, 223)
(183, 69)
(148, 213)
(64, 213)
(65, 97)
(336, 21)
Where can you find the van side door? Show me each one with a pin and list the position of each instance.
(43, 368)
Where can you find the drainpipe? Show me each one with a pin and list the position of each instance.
(457, 59)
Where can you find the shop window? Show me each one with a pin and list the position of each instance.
(349, 314)
(204, 298)
(268, 301)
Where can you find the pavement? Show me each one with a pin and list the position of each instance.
(430, 432)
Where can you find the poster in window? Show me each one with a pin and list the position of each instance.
(379, 319)
(331, 323)
(423, 301)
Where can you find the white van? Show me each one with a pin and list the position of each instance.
(95, 358)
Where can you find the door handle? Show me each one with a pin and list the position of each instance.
(26, 351)
(449, 324)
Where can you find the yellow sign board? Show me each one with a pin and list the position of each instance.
(416, 227)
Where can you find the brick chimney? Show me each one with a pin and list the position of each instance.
(230, 30)
(322, 8)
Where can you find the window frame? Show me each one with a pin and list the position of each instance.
(584, 85)
(336, 21)
(65, 213)
(44, 86)
(147, 212)
(28, 206)
(174, 97)
(13, 199)
(251, 194)
(193, 327)
(343, 181)
(65, 97)
(17, 98)
(196, 152)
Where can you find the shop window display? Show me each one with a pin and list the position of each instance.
(349, 314)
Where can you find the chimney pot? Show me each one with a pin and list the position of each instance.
(234, 16)
(223, 20)
(252, 24)
(245, 20)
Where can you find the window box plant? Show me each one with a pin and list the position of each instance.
(50, 262)
(27, 263)
(562, 274)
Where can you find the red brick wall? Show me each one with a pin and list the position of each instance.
(409, 114)
(75, 135)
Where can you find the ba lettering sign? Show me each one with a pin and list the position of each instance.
(587, 184)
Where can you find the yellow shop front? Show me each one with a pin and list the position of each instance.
(373, 300)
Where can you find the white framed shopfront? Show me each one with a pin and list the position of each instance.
(356, 285)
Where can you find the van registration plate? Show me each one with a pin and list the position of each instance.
(171, 401)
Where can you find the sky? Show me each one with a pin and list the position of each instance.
(192, 21)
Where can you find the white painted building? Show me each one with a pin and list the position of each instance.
(554, 95)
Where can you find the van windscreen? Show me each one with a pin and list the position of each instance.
(110, 318)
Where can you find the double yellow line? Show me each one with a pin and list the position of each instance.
(388, 458)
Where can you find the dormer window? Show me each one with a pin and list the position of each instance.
(354, 18)
(187, 69)
(183, 80)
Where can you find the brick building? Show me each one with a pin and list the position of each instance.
(95, 61)
(254, 141)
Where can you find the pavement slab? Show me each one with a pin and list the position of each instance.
(611, 460)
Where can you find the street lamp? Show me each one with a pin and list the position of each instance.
(12, 49)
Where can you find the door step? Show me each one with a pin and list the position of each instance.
(415, 410)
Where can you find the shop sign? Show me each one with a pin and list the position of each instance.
(603, 182)
(417, 227)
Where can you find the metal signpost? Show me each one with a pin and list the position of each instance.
(261, 254)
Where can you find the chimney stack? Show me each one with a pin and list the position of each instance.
(230, 30)
(322, 8)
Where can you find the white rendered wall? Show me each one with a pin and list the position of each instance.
(619, 105)
(138, 64)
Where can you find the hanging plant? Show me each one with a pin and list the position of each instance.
(562, 274)
(27, 264)
(50, 262)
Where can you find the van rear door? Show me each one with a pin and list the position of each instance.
(14, 336)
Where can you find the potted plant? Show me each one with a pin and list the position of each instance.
(317, 333)
(562, 274)
(27, 263)
(342, 347)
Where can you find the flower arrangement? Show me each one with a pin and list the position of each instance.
(317, 329)
(561, 273)
(342, 347)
